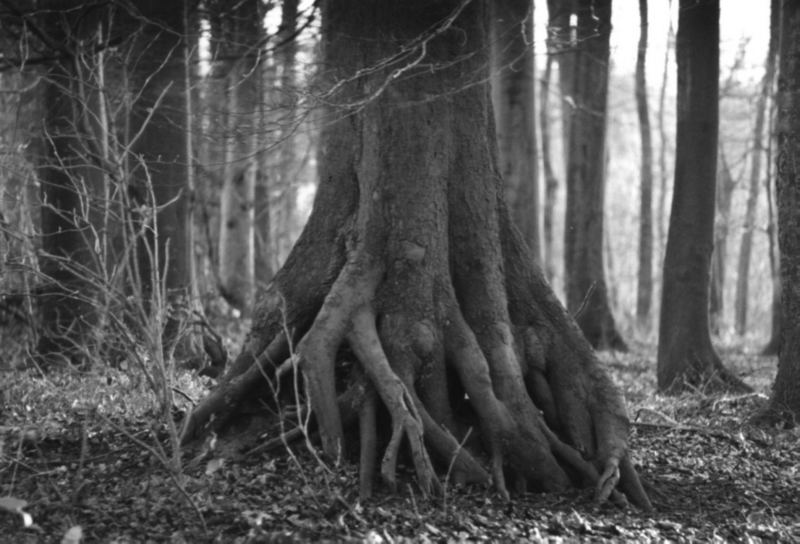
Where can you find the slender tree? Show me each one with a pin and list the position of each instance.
(685, 354)
(411, 269)
(772, 346)
(514, 89)
(661, 215)
(280, 120)
(784, 404)
(745, 248)
(550, 180)
(644, 293)
(558, 46)
(724, 199)
(242, 36)
(586, 289)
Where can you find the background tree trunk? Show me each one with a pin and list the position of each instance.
(68, 181)
(644, 292)
(685, 354)
(236, 236)
(586, 288)
(725, 185)
(158, 126)
(513, 59)
(784, 404)
(743, 269)
(284, 122)
(550, 180)
(661, 207)
(772, 346)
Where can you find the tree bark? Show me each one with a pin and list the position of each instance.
(772, 346)
(586, 289)
(411, 269)
(745, 248)
(686, 357)
(285, 120)
(784, 404)
(644, 293)
(513, 60)
(661, 215)
(68, 184)
(242, 36)
(725, 185)
(159, 132)
(550, 180)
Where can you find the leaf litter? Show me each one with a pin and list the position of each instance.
(712, 477)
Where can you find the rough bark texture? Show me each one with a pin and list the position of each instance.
(513, 60)
(686, 357)
(644, 288)
(411, 270)
(586, 289)
(784, 405)
(745, 248)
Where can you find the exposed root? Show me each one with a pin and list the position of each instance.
(504, 435)
(216, 409)
(367, 435)
(406, 421)
(317, 350)
(519, 373)
(463, 467)
(631, 485)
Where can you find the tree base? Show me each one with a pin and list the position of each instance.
(530, 403)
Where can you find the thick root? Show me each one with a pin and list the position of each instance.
(367, 434)
(406, 421)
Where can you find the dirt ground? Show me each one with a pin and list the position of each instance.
(711, 476)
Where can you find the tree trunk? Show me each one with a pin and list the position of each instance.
(586, 289)
(784, 404)
(236, 237)
(644, 293)
(513, 60)
(550, 180)
(410, 261)
(159, 132)
(773, 344)
(661, 208)
(725, 185)
(743, 269)
(285, 119)
(68, 180)
(686, 357)
(278, 163)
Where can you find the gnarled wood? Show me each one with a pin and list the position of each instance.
(455, 330)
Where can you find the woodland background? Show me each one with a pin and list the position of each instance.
(94, 443)
(291, 162)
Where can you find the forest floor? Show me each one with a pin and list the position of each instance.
(81, 450)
